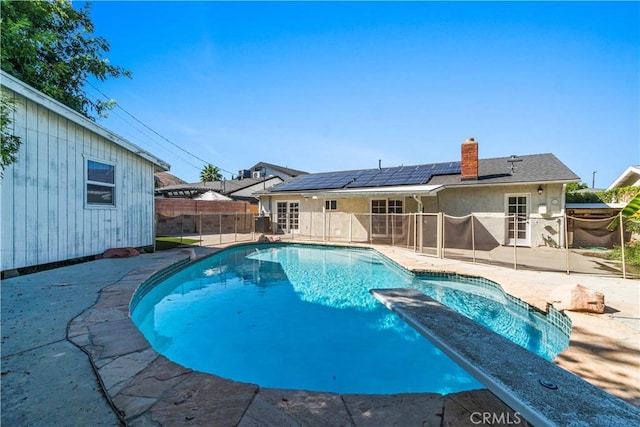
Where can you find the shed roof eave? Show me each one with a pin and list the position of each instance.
(35, 95)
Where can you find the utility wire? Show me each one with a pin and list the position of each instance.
(161, 136)
(115, 113)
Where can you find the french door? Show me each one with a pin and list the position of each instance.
(518, 226)
(288, 216)
(383, 224)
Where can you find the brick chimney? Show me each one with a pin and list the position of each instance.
(469, 160)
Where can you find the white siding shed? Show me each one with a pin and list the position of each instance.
(76, 188)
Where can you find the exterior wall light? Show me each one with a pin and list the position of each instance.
(540, 189)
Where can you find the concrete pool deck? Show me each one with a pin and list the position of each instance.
(50, 318)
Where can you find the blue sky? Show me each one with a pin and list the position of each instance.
(322, 86)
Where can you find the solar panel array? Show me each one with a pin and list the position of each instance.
(400, 175)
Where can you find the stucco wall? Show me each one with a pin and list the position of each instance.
(339, 223)
(489, 204)
(544, 228)
(463, 201)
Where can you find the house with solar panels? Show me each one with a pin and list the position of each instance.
(514, 200)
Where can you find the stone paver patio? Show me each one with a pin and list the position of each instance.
(145, 389)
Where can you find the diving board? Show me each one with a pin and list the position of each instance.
(542, 392)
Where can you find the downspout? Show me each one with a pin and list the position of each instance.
(563, 212)
(420, 205)
(324, 222)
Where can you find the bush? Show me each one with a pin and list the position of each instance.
(631, 253)
(616, 195)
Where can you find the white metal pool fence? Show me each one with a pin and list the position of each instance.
(544, 242)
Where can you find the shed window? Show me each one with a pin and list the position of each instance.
(100, 183)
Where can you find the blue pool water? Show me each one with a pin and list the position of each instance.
(301, 317)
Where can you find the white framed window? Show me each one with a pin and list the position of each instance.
(395, 206)
(100, 183)
(330, 205)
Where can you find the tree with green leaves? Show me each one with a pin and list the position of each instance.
(572, 187)
(9, 143)
(574, 195)
(51, 46)
(210, 173)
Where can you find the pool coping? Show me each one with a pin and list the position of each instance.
(542, 392)
(145, 388)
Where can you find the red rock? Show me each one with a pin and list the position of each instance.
(120, 253)
(577, 298)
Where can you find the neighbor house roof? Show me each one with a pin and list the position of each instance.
(284, 170)
(222, 187)
(630, 177)
(192, 189)
(538, 168)
(225, 187)
(46, 101)
(163, 179)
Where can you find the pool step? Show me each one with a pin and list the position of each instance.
(541, 392)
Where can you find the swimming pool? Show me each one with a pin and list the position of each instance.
(296, 316)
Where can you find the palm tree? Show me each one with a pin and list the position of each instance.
(631, 212)
(210, 173)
